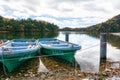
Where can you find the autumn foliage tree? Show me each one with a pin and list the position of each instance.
(26, 25)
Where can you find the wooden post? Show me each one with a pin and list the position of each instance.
(103, 51)
(67, 37)
(103, 46)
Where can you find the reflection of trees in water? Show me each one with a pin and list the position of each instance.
(88, 66)
(29, 35)
(96, 35)
(72, 32)
(112, 39)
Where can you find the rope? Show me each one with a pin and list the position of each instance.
(2, 56)
(51, 55)
(92, 46)
(57, 54)
(89, 47)
(35, 56)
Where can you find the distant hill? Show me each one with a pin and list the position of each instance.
(73, 29)
(26, 25)
(111, 25)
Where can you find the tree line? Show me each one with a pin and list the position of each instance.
(111, 25)
(26, 25)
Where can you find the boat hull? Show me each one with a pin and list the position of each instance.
(67, 55)
(18, 51)
(12, 61)
(58, 48)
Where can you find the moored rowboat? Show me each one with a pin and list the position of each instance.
(61, 49)
(4, 42)
(13, 56)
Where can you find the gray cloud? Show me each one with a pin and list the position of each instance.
(66, 10)
(62, 8)
(117, 5)
(95, 8)
(32, 2)
(30, 8)
(74, 1)
(7, 0)
(55, 3)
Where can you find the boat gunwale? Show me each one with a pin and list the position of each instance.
(61, 48)
(27, 50)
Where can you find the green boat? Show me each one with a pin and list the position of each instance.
(58, 48)
(13, 56)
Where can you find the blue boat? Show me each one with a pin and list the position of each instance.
(17, 52)
(4, 42)
(61, 49)
(23, 42)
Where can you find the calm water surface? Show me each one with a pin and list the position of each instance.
(88, 57)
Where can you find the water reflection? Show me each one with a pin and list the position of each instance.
(42, 67)
(88, 60)
(114, 40)
(115, 65)
(89, 56)
(29, 35)
(113, 53)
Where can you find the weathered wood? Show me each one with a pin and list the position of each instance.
(103, 51)
(67, 37)
(103, 46)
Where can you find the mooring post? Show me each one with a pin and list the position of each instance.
(103, 47)
(103, 51)
(67, 37)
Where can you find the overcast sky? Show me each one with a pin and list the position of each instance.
(64, 13)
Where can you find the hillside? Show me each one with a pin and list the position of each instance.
(26, 25)
(111, 25)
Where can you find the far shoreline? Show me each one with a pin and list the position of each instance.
(116, 34)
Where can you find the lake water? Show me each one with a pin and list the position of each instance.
(88, 57)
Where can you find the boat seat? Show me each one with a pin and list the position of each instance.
(60, 44)
(22, 44)
(50, 42)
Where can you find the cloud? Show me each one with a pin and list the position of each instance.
(116, 4)
(95, 8)
(48, 19)
(2, 10)
(67, 22)
(72, 1)
(73, 13)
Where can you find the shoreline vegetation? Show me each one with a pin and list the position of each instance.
(27, 35)
(26, 25)
(29, 25)
(111, 25)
